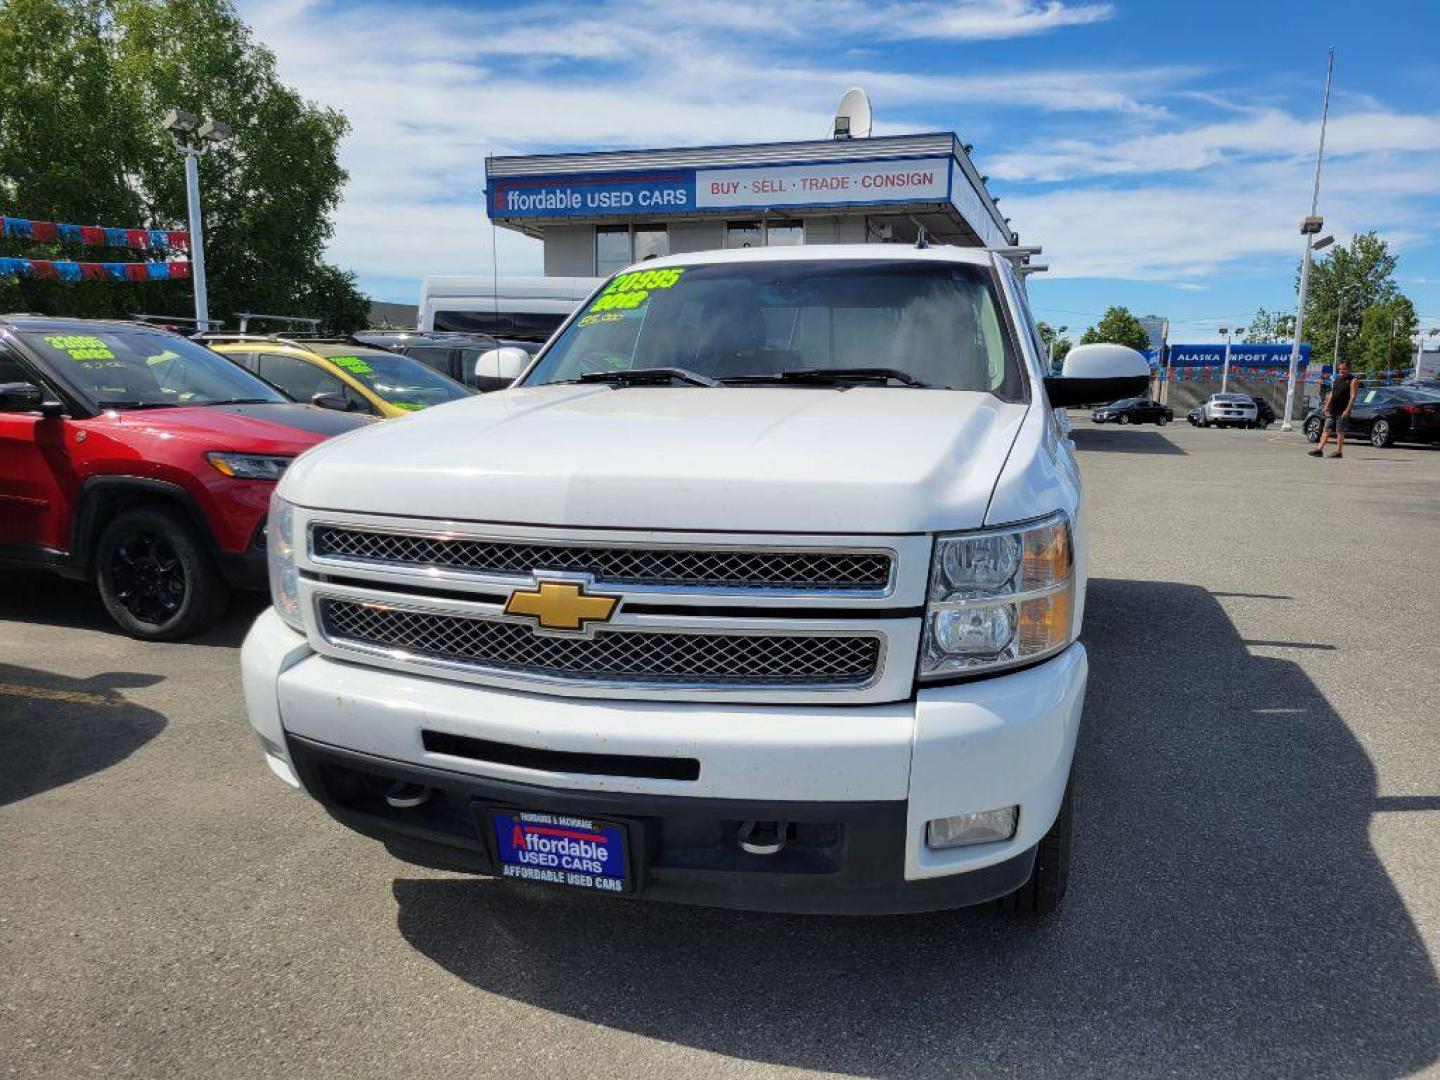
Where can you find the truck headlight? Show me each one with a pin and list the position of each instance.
(280, 554)
(998, 598)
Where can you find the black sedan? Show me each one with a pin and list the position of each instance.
(1388, 414)
(1264, 414)
(1133, 411)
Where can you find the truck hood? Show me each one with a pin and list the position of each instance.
(771, 459)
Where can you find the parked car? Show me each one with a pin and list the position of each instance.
(1133, 411)
(1388, 414)
(865, 551)
(452, 354)
(1228, 410)
(1264, 414)
(137, 459)
(340, 375)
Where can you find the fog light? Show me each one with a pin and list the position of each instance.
(984, 827)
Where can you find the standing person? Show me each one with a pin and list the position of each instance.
(1338, 403)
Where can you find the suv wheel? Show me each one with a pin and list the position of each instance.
(1045, 890)
(155, 579)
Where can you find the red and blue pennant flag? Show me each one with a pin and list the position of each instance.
(63, 270)
(49, 232)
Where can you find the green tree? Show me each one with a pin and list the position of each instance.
(1386, 332)
(1345, 284)
(1118, 326)
(1269, 328)
(83, 84)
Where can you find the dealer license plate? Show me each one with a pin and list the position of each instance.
(560, 850)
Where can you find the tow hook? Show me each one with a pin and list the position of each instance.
(762, 837)
(403, 795)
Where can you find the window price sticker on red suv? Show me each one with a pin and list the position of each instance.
(560, 850)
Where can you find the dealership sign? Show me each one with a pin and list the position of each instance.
(1245, 356)
(740, 187)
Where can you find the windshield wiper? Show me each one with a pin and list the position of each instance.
(834, 375)
(241, 401)
(652, 376)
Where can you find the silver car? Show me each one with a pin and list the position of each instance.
(1234, 409)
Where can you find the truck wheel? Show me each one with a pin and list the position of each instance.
(1045, 890)
(155, 579)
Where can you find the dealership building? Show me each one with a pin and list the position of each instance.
(597, 212)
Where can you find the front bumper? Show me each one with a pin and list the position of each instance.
(857, 783)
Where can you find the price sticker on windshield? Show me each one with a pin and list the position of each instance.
(352, 364)
(82, 348)
(629, 291)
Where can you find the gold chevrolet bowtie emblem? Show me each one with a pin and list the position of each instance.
(561, 605)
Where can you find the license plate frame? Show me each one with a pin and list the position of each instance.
(559, 839)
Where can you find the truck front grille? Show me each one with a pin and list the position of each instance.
(633, 657)
(825, 570)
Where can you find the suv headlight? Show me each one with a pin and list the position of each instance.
(280, 554)
(998, 598)
(250, 466)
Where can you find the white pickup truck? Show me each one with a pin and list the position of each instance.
(761, 588)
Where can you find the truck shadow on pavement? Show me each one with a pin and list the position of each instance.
(55, 730)
(1227, 914)
(1123, 440)
(34, 596)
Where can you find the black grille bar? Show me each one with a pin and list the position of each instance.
(822, 570)
(568, 761)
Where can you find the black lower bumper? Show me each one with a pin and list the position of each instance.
(839, 858)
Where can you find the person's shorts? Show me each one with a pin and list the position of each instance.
(1338, 424)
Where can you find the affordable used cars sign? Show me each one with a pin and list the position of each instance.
(592, 195)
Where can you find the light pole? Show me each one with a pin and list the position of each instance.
(1309, 228)
(1339, 314)
(1050, 352)
(193, 137)
(1225, 368)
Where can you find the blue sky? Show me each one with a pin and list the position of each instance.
(1161, 152)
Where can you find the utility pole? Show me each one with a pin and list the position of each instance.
(1309, 228)
(1225, 367)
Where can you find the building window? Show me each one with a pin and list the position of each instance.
(651, 242)
(784, 233)
(612, 249)
(743, 234)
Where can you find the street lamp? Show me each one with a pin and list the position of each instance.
(1050, 352)
(193, 137)
(1309, 228)
(1225, 368)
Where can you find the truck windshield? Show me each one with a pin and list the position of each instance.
(400, 380)
(139, 368)
(940, 324)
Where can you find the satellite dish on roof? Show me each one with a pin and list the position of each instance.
(852, 118)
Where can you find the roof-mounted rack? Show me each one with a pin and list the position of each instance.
(245, 318)
(168, 321)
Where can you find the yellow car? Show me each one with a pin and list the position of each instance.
(341, 375)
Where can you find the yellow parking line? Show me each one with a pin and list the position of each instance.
(44, 693)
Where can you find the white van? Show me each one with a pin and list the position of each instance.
(762, 588)
(523, 308)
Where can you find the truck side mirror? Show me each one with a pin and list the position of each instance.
(21, 397)
(495, 369)
(1098, 373)
(336, 402)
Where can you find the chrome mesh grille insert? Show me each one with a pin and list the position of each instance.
(635, 657)
(820, 570)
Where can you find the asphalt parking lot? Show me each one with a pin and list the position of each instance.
(1256, 888)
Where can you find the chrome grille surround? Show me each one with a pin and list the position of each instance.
(757, 570)
(625, 656)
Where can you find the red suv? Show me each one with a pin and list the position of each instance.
(135, 457)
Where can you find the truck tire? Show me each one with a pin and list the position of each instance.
(1045, 891)
(156, 579)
